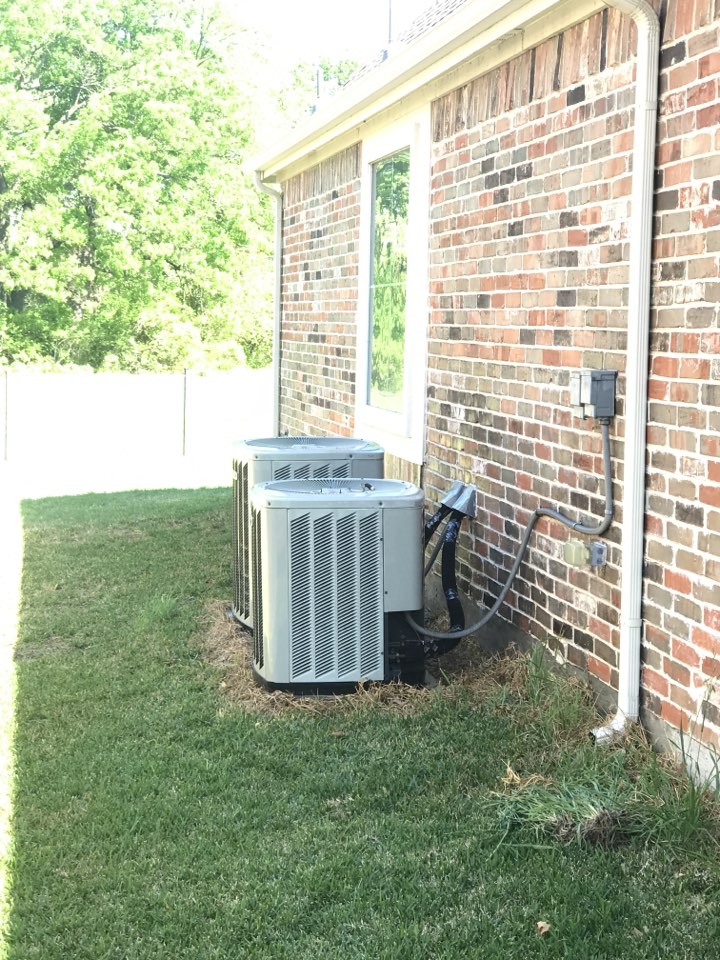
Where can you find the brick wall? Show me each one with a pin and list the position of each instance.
(319, 297)
(529, 248)
(530, 198)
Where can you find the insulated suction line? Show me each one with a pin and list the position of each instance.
(576, 525)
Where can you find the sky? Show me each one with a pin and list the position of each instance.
(336, 29)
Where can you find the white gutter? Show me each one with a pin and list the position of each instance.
(277, 197)
(637, 352)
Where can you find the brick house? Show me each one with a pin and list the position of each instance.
(480, 191)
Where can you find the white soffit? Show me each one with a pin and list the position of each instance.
(475, 39)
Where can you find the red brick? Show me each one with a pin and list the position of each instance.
(706, 640)
(702, 93)
(710, 494)
(681, 698)
(712, 619)
(655, 681)
(710, 65)
(600, 669)
(685, 17)
(676, 718)
(684, 653)
(665, 367)
(709, 117)
(677, 173)
(693, 369)
(600, 629)
(710, 446)
(677, 672)
(683, 392)
(577, 238)
(657, 389)
(677, 582)
(711, 667)
(683, 75)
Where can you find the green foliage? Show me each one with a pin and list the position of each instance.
(391, 184)
(299, 96)
(131, 236)
(388, 328)
(256, 341)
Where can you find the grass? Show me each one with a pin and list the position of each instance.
(157, 816)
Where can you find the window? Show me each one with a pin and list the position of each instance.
(393, 296)
(388, 281)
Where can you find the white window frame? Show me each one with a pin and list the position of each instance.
(401, 434)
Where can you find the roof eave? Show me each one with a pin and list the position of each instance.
(464, 35)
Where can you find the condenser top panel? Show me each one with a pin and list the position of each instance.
(356, 494)
(306, 448)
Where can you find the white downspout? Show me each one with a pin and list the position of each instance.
(638, 350)
(277, 197)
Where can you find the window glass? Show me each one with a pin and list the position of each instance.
(388, 283)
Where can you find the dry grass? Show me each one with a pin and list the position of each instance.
(228, 647)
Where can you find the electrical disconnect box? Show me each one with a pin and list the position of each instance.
(592, 393)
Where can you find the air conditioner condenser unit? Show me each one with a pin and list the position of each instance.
(335, 562)
(286, 458)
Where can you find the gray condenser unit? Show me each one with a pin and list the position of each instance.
(335, 562)
(286, 458)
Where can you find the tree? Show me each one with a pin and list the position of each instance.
(299, 95)
(130, 233)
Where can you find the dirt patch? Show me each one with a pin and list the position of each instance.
(228, 647)
(51, 647)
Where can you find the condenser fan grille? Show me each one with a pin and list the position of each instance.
(336, 598)
(310, 471)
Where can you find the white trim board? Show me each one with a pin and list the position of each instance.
(402, 434)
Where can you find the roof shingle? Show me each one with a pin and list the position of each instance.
(428, 19)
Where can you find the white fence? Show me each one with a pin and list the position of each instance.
(56, 417)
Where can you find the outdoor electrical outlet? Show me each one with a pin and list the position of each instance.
(598, 553)
(592, 393)
(576, 553)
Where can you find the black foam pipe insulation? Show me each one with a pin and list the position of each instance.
(434, 522)
(449, 582)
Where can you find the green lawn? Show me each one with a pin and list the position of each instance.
(153, 819)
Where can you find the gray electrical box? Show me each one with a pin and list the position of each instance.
(598, 553)
(592, 393)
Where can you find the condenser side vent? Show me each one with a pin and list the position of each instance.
(241, 542)
(301, 608)
(236, 563)
(371, 594)
(258, 633)
(336, 597)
